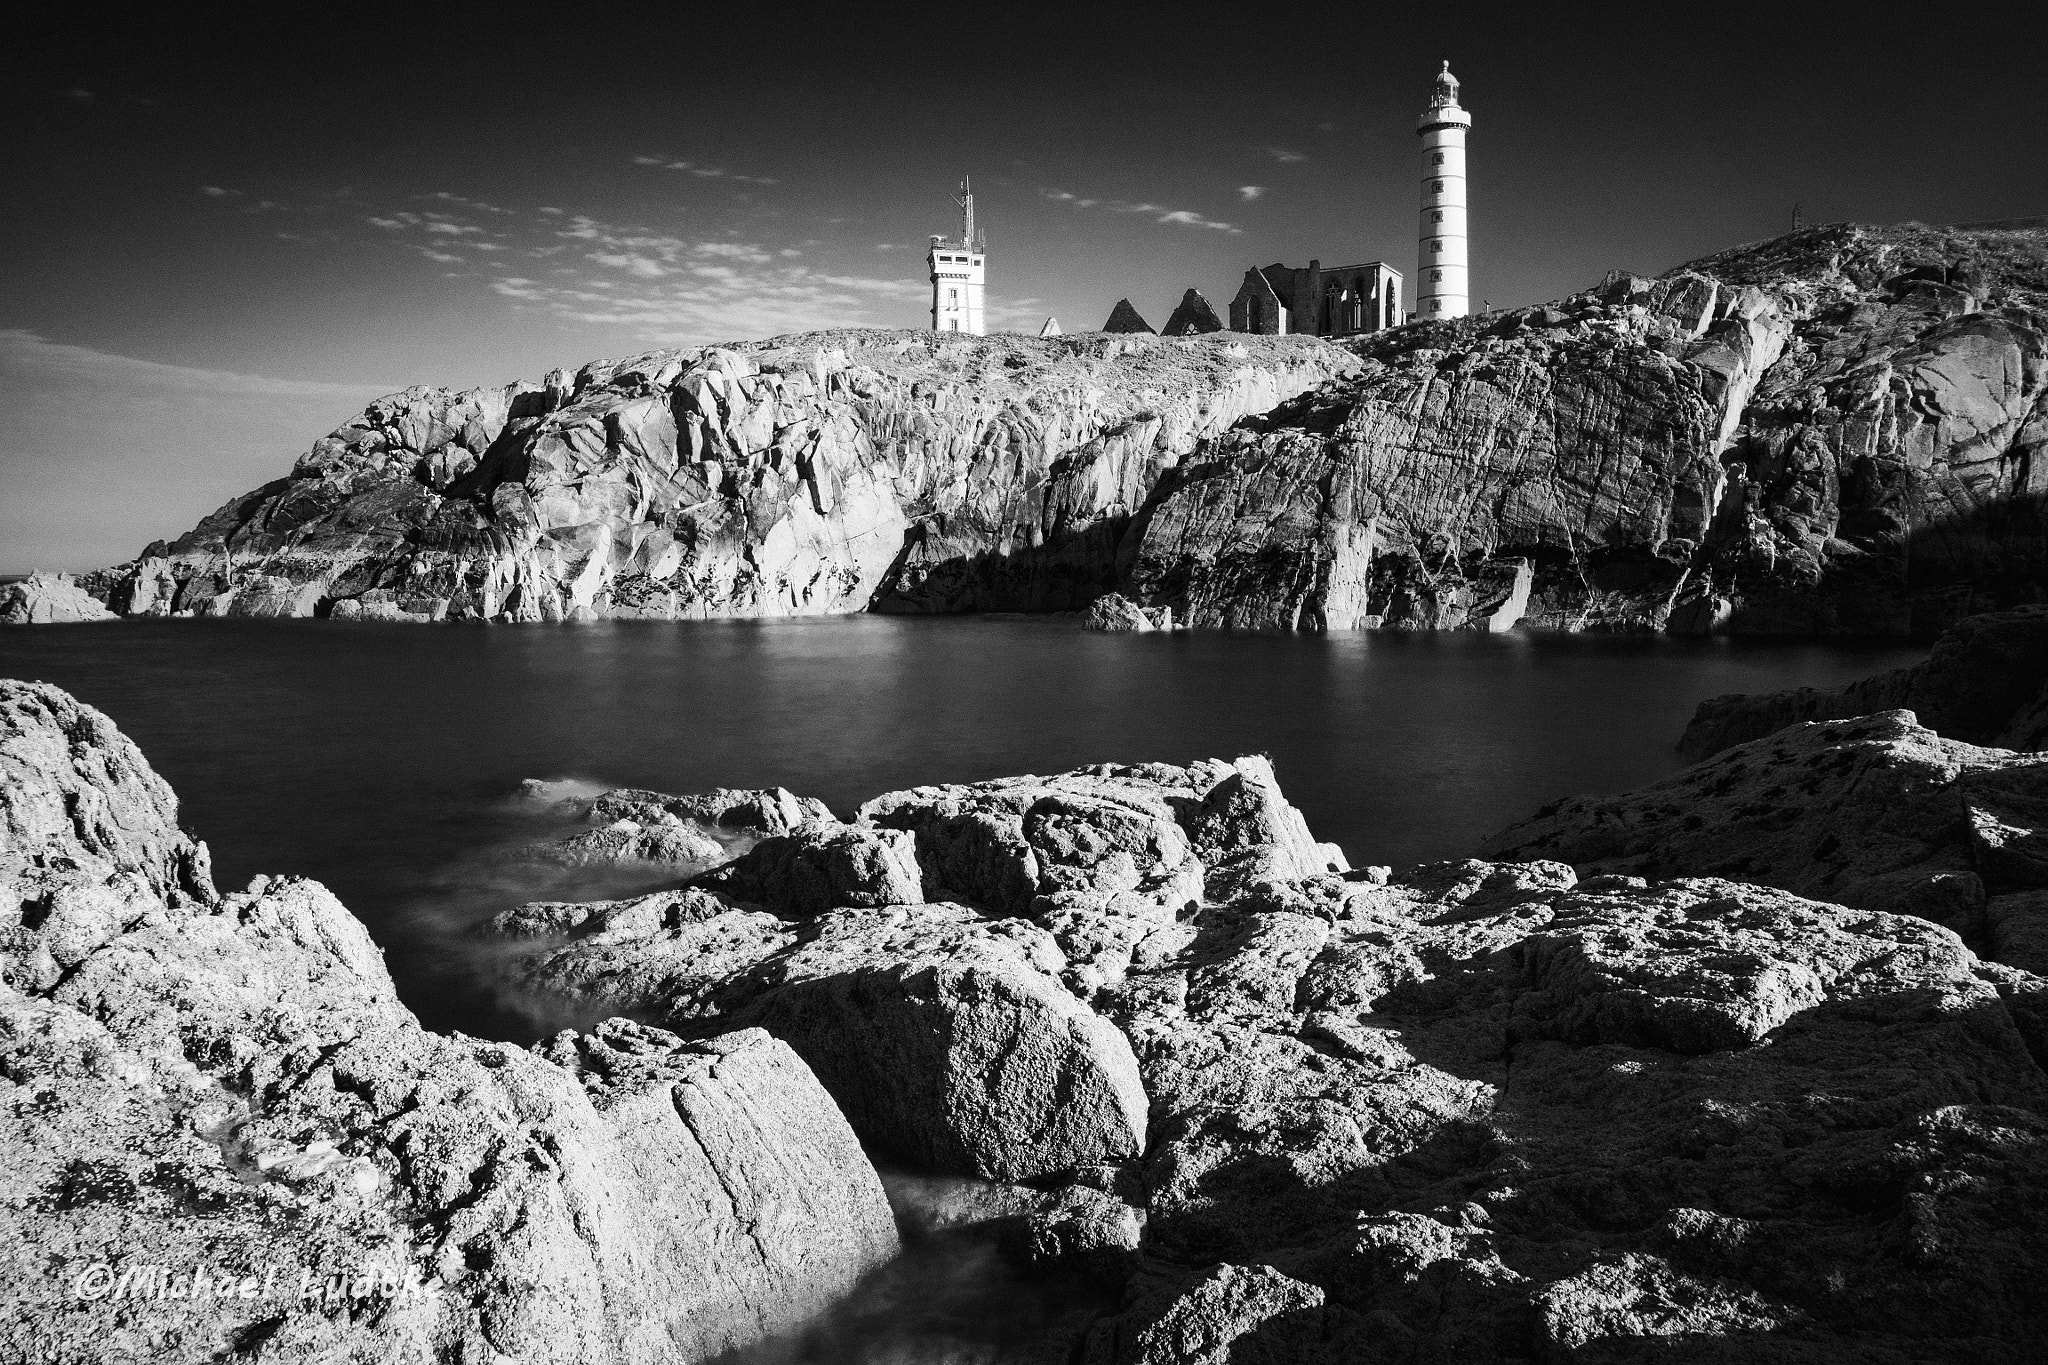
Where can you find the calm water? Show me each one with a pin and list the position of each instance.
(380, 759)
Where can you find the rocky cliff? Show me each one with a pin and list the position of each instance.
(1833, 431)
(1840, 430)
(833, 472)
(224, 1137)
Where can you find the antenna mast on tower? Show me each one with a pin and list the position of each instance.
(965, 199)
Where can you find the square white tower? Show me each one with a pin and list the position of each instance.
(956, 270)
(1443, 287)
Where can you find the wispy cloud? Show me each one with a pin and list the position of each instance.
(674, 290)
(1160, 213)
(1283, 155)
(24, 350)
(1250, 192)
(479, 205)
(698, 168)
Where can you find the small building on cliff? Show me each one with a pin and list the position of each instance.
(957, 272)
(1337, 301)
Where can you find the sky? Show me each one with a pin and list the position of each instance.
(230, 228)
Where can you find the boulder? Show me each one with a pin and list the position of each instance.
(946, 1037)
(1003, 844)
(1245, 814)
(951, 1044)
(1115, 612)
(223, 1132)
(1230, 1315)
(774, 810)
(702, 829)
(820, 867)
(44, 599)
(628, 841)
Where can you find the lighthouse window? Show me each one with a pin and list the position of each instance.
(952, 296)
(1437, 160)
(1436, 247)
(1437, 187)
(1436, 276)
(1437, 217)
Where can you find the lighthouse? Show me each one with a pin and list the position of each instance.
(957, 273)
(1442, 283)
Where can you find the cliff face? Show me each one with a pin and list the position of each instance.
(1832, 431)
(832, 472)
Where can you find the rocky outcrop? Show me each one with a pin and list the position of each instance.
(1835, 431)
(1114, 612)
(957, 1036)
(1877, 812)
(225, 1136)
(824, 866)
(1985, 682)
(697, 831)
(830, 472)
(48, 599)
(1476, 1111)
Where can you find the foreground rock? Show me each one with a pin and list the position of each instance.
(1985, 682)
(1878, 812)
(1833, 431)
(956, 1034)
(698, 831)
(829, 472)
(227, 1086)
(44, 599)
(1477, 1111)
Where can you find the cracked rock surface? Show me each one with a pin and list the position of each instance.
(1835, 431)
(826, 472)
(228, 1083)
(1474, 1111)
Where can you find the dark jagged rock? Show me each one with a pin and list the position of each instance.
(1193, 317)
(1124, 318)
(1986, 682)
(1836, 431)
(227, 1086)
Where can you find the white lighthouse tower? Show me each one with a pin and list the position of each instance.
(1443, 287)
(957, 273)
